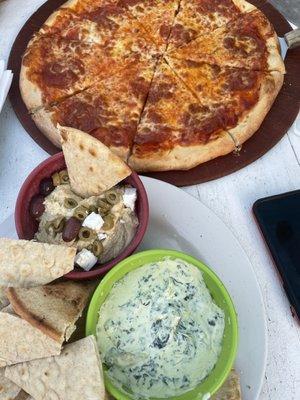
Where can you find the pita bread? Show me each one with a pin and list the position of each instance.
(8, 389)
(54, 309)
(231, 390)
(3, 299)
(27, 263)
(8, 309)
(22, 342)
(74, 375)
(92, 167)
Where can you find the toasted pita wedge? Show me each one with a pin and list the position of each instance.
(74, 375)
(54, 309)
(25, 263)
(22, 342)
(231, 390)
(8, 389)
(92, 167)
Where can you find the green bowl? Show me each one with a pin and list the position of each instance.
(220, 295)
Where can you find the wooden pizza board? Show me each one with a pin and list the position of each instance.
(276, 124)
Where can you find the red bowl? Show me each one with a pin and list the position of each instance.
(26, 225)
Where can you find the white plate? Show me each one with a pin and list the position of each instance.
(179, 221)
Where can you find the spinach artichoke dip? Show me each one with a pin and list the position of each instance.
(159, 331)
(99, 226)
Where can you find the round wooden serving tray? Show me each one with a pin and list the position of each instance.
(274, 127)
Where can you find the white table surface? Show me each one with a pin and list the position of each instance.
(231, 198)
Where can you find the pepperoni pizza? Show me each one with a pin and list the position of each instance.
(166, 84)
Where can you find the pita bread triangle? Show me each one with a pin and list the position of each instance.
(24, 263)
(8, 389)
(22, 342)
(92, 167)
(54, 309)
(75, 374)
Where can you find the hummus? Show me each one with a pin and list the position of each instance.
(113, 238)
(159, 331)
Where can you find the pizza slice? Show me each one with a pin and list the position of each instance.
(96, 22)
(54, 68)
(247, 95)
(198, 17)
(108, 110)
(68, 24)
(247, 42)
(156, 16)
(176, 130)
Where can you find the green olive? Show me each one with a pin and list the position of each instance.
(81, 213)
(97, 248)
(104, 205)
(58, 224)
(86, 234)
(108, 222)
(93, 208)
(112, 197)
(49, 227)
(55, 179)
(70, 203)
(63, 176)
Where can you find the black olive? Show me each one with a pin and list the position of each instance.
(46, 186)
(37, 206)
(71, 229)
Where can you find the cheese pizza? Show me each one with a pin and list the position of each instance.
(109, 110)
(166, 84)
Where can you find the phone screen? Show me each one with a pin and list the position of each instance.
(279, 220)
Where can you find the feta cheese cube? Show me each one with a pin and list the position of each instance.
(93, 221)
(102, 236)
(129, 198)
(85, 259)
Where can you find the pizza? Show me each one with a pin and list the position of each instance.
(109, 110)
(166, 84)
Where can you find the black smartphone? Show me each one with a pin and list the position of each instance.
(279, 220)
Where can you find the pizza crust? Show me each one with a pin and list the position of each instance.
(251, 122)
(43, 121)
(275, 61)
(183, 157)
(30, 92)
